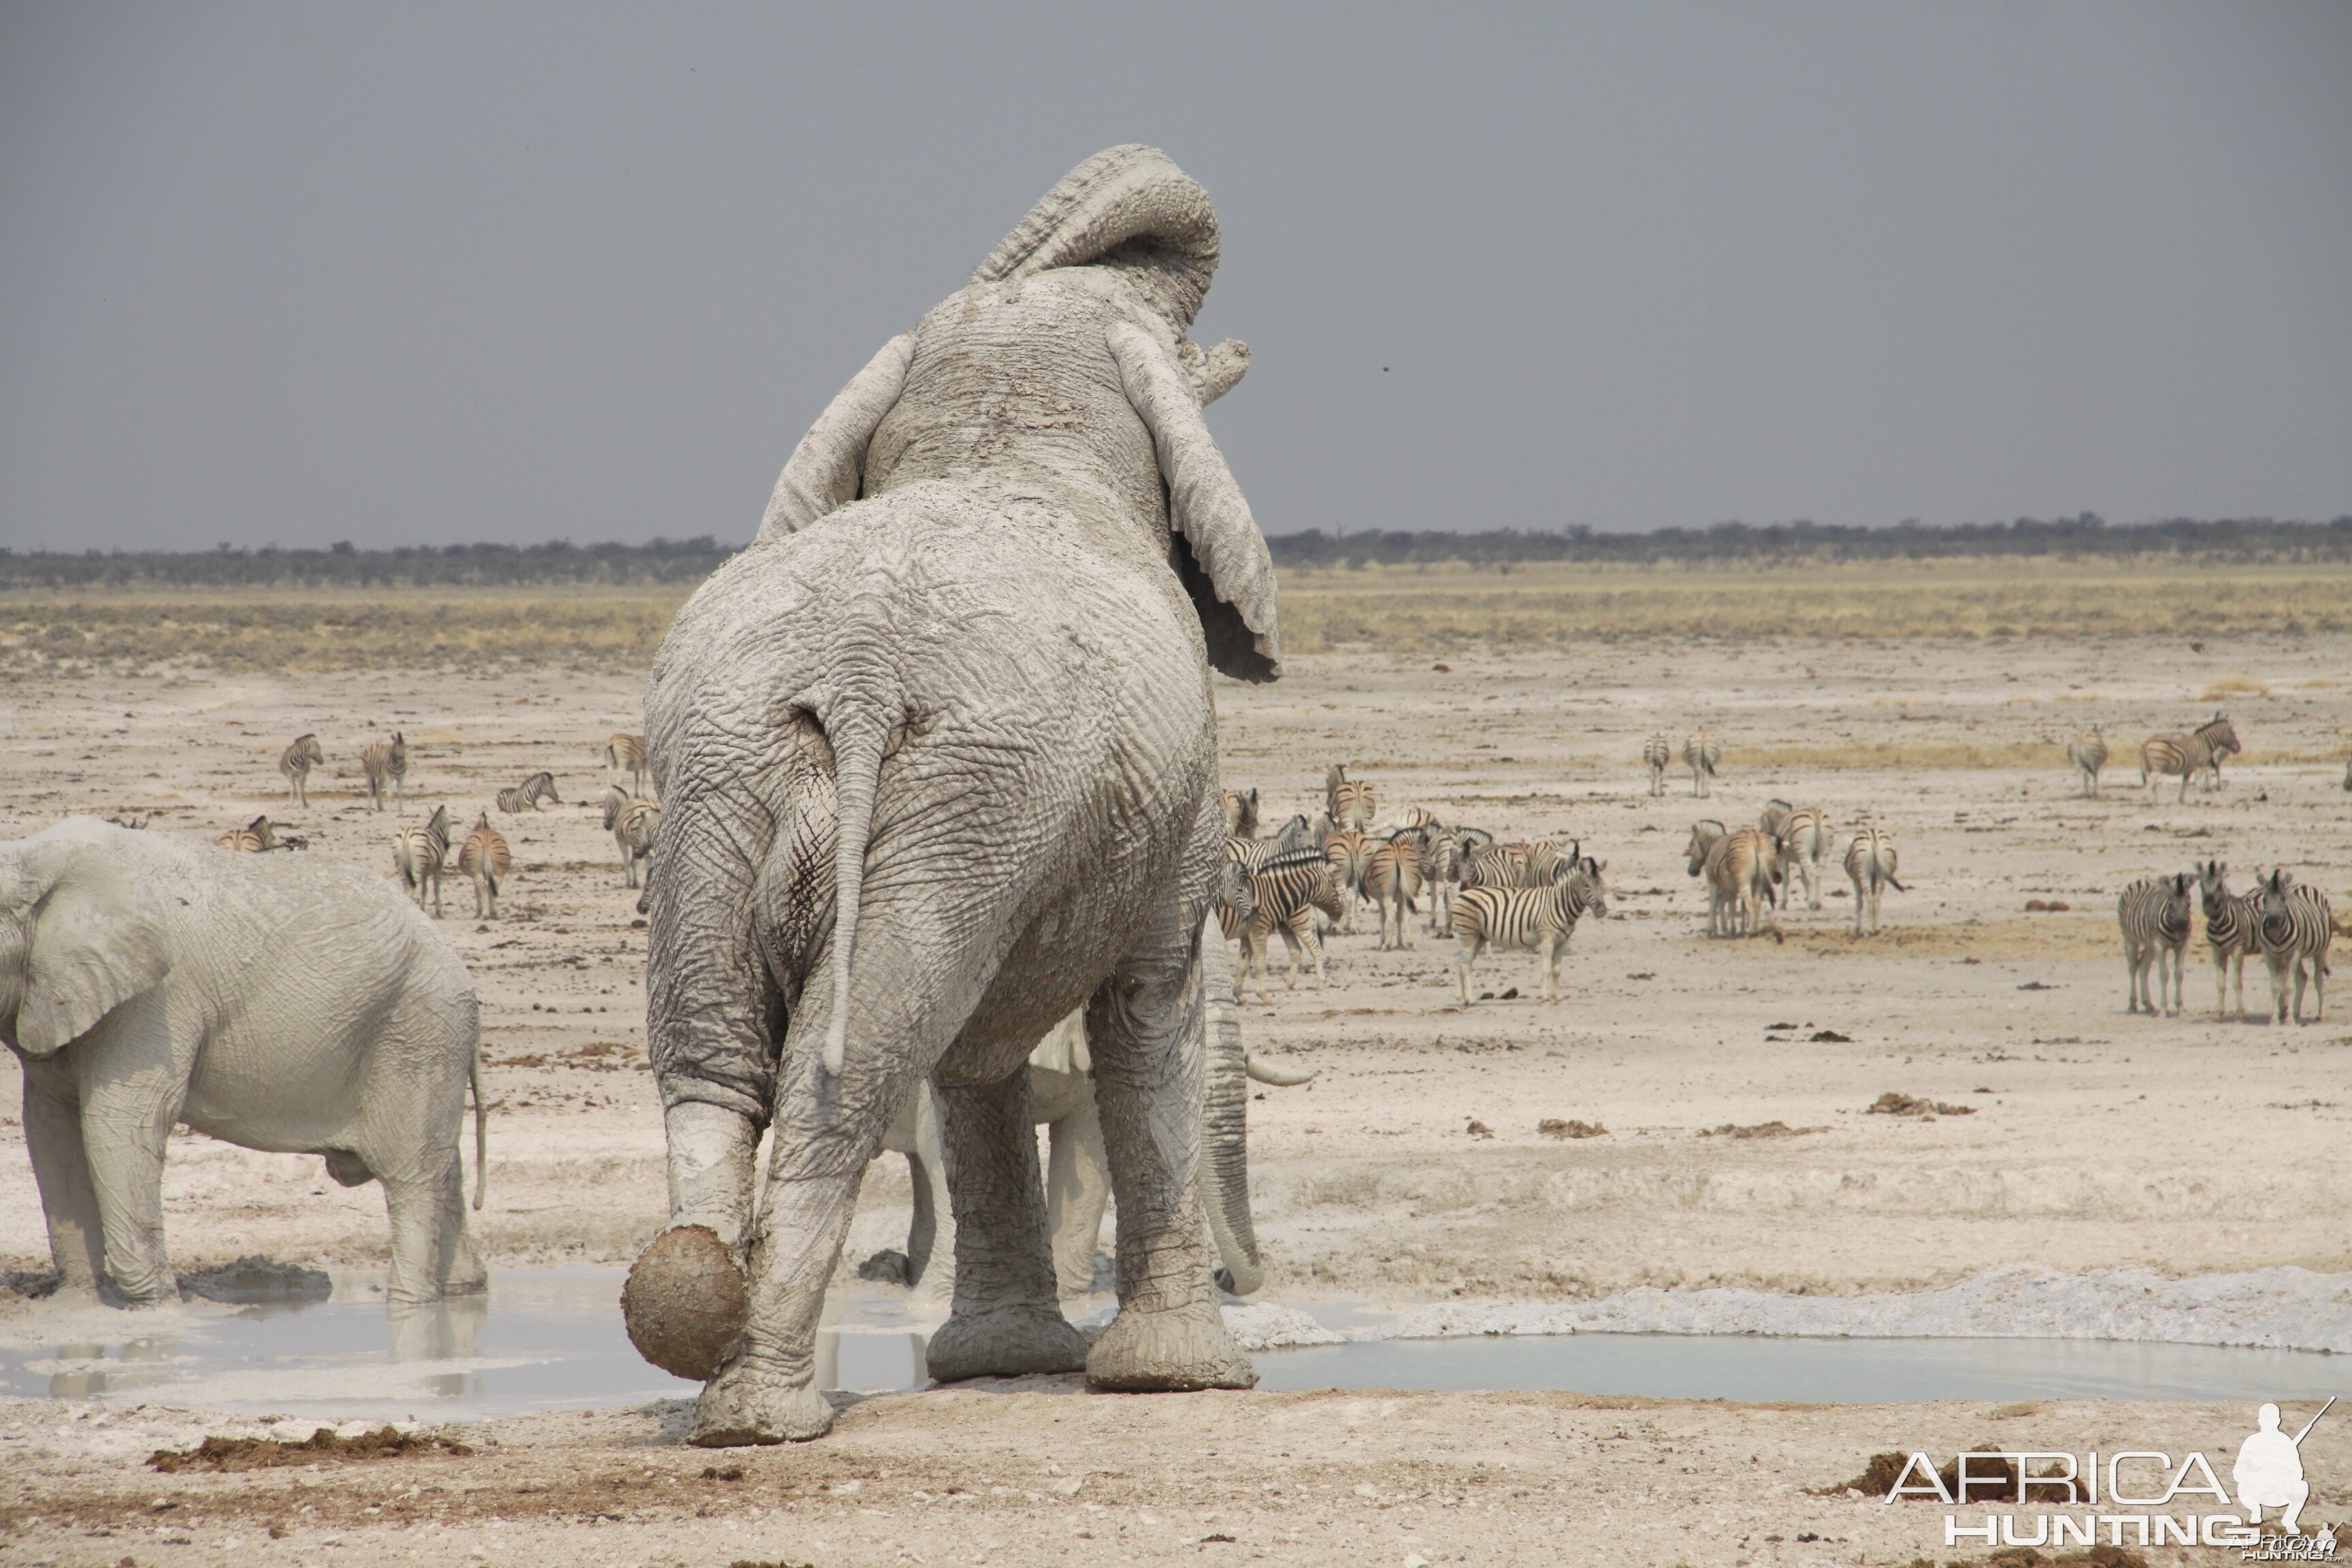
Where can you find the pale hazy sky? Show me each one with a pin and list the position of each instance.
(410, 273)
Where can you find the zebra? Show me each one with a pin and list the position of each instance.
(1241, 813)
(1657, 755)
(2154, 915)
(2162, 755)
(1741, 869)
(2231, 923)
(1806, 836)
(1441, 873)
(527, 795)
(1700, 753)
(382, 760)
(1392, 881)
(1421, 817)
(485, 859)
(2295, 928)
(1348, 852)
(625, 755)
(1348, 801)
(296, 762)
(2088, 751)
(1870, 866)
(1252, 854)
(253, 838)
(633, 823)
(1515, 919)
(419, 854)
(1287, 894)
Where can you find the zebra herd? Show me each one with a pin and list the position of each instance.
(1744, 872)
(2288, 922)
(420, 854)
(2195, 755)
(1313, 873)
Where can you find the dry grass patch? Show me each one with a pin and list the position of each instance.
(2239, 684)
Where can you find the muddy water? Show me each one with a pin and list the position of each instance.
(551, 1339)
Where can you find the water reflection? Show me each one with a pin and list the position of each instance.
(131, 1363)
(440, 1330)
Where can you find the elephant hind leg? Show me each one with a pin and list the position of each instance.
(432, 1256)
(1007, 1322)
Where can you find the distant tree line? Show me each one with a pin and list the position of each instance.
(684, 563)
(2229, 540)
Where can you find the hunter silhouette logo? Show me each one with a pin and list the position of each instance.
(2269, 1471)
(2134, 1497)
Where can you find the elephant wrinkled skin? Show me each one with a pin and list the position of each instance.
(937, 760)
(284, 1003)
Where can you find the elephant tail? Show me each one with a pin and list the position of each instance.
(858, 742)
(482, 1133)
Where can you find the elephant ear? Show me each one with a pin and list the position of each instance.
(93, 948)
(1129, 208)
(1220, 553)
(826, 468)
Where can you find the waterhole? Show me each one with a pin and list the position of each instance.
(551, 1339)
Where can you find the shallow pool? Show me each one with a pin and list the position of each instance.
(551, 1339)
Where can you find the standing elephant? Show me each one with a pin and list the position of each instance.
(938, 759)
(1077, 1181)
(284, 1003)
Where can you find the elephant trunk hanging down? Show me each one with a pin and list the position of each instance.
(939, 762)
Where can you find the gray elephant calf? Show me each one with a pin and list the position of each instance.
(939, 765)
(283, 1003)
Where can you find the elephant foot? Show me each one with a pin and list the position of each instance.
(743, 1408)
(1009, 1341)
(1173, 1350)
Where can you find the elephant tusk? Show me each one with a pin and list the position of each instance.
(1281, 1077)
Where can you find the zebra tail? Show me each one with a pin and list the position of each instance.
(1895, 885)
(482, 1133)
(858, 740)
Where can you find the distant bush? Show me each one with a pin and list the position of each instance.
(559, 562)
(2243, 540)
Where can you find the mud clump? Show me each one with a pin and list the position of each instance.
(257, 1278)
(1760, 1130)
(2047, 906)
(1553, 1127)
(1893, 1104)
(1478, 1128)
(685, 1303)
(1830, 1038)
(234, 1454)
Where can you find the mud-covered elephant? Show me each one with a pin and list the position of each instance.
(292, 1004)
(1077, 1177)
(938, 759)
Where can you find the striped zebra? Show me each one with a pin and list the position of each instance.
(253, 838)
(1241, 813)
(1348, 801)
(1528, 864)
(485, 859)
(296, 762)
(2231, 922)
(1870, 867)
(2154, 915)
(2161, 757)
(418, 853)
(2088, 751)
(1421, 817)
(1806, 836)
(1348, 852)
(1441, 873)
(1287, 894)
(1517, 918)
(633, 823)
(527, 795)
(1252, 854)
(1392, 881)
(2293, 933)
(1700, 753)
(1657, 755)
(381, 761)
(625, 755)
(1741, 871)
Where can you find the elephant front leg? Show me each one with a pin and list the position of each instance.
(125, 1144)
(61, 1169)
(1147, 1031)
(1006, 1321)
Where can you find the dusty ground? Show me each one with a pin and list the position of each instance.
(2098, 1140)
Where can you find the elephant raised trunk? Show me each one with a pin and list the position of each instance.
(1225, 1135)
